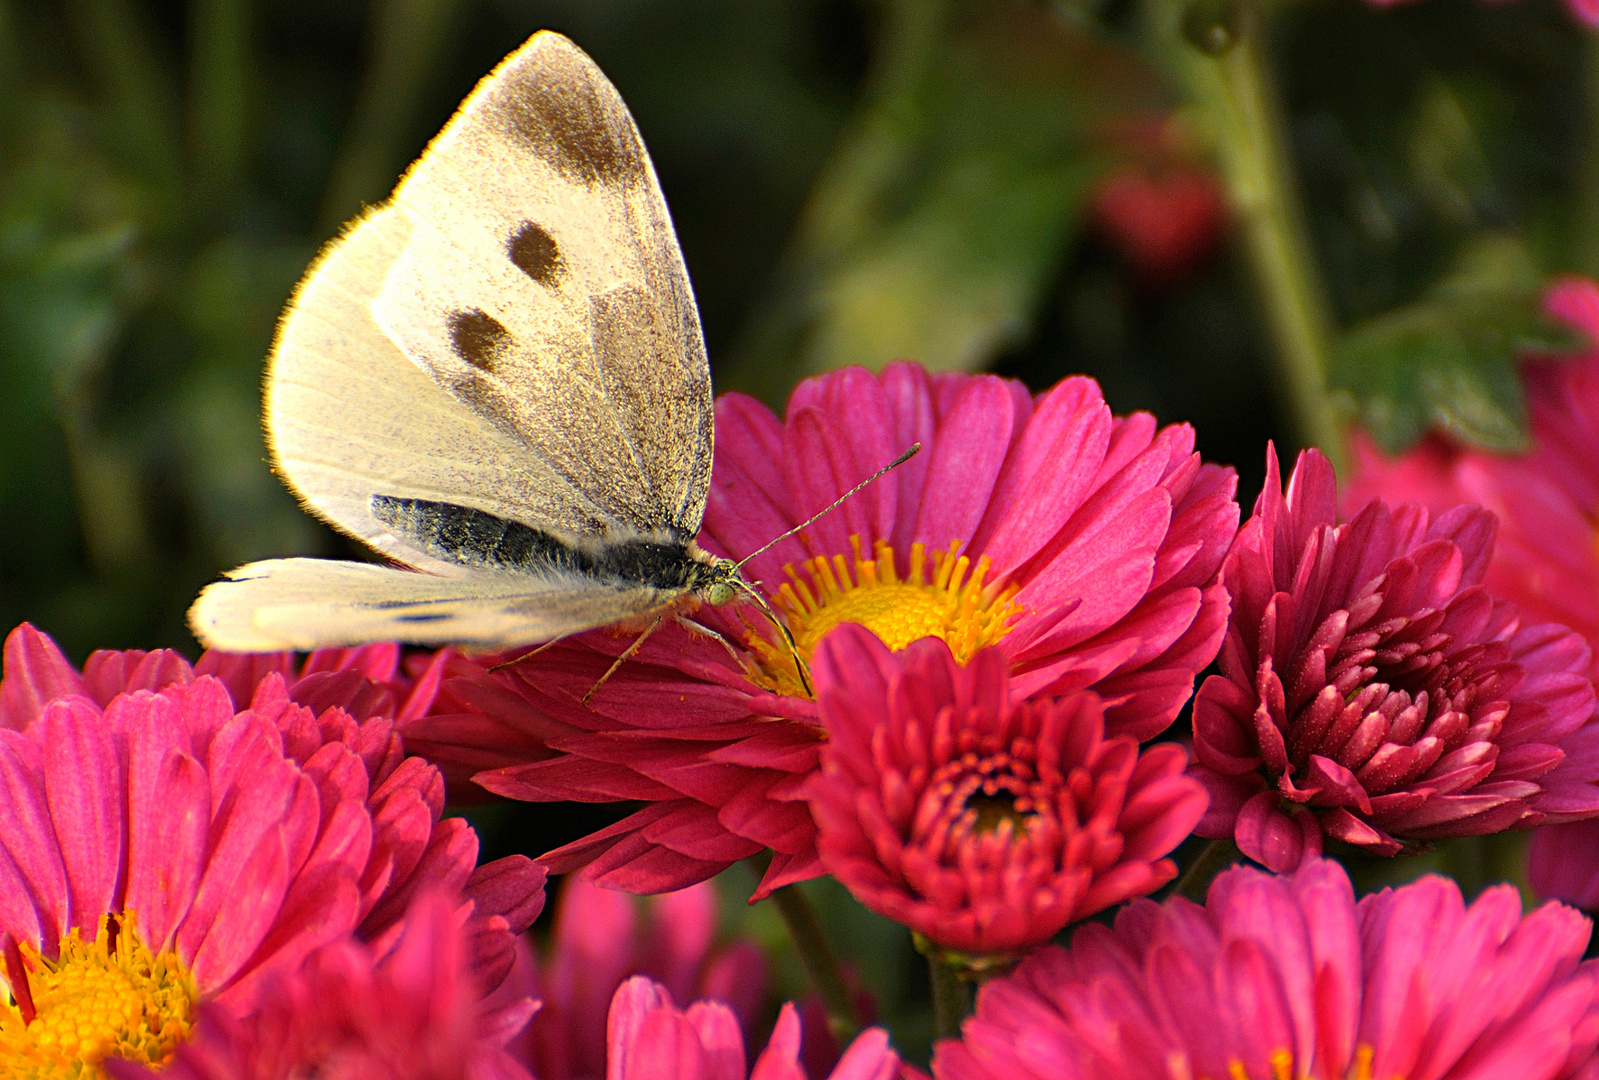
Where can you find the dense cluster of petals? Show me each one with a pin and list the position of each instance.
(409, 1007)
(1372, 690)
(366, 682)
(650, 1038)
(601, 938)
(984, 822)
(1084, 546)
(216, 846)
(1278, 977)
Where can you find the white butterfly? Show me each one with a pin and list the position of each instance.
(497, 378)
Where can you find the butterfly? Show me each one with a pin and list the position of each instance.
(496, 379)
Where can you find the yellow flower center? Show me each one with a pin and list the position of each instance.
(943, 597)
(1281, 1064)
(110, 997)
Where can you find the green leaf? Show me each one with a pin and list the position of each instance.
(944, 210)
(1449, 359)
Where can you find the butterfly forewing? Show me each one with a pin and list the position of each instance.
(542, 286)
(350, 417)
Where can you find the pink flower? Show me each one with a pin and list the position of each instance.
(983, 822)
(1290, 977)
(407, 1008)
(364, 682)
(650, 1038)
(1547, 501)
(1083, 546)
(189, 853)
(1563, 863)
(601, 937)
(1372, 690)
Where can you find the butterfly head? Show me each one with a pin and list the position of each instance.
(719, 582)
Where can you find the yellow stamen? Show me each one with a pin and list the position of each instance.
(110, 997)
(944, 597)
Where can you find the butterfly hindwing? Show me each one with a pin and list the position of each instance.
(541, 284)
(312, 603)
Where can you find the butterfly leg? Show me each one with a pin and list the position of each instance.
(627, 653)
(529, 654)
(706, 631)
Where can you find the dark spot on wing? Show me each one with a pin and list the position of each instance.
(534, 252)
(477, 337)
(563, 110)
(421, 617)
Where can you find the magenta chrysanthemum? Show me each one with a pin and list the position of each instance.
(366, 682)
(650, 1038)
(408, 1008)
(601, 938)
(1288, 977)
(1083, 546)
(189, 851)
(981, 821)
(1372, 690)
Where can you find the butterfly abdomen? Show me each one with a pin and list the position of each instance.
(477, 538)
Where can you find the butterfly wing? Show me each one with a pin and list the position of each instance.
(542, 286)
(348, 416)
(514, 333)
(312, 603)
(594, 421)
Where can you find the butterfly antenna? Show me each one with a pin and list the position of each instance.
(896, 463)
(782, 628)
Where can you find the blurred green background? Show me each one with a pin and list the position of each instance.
(987, 184)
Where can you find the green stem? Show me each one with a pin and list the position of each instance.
(219, 85)
(1219, 48)
(820, 964)
(1217, 856)
(139, 97)
(952, 999)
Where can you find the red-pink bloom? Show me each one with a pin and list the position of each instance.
(1166, 221)
(601, 938)
(407, 1008)
(984, 822)
(1082, 545)
(1279, 977)
(1563, 863)
(366, 682)
(221, 846)
(1372, 690)
(650, 1038)
(1547, 501)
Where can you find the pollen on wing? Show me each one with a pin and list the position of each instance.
(110, 997)
(944, 596)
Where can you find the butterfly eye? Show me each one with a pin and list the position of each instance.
(720, 593)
